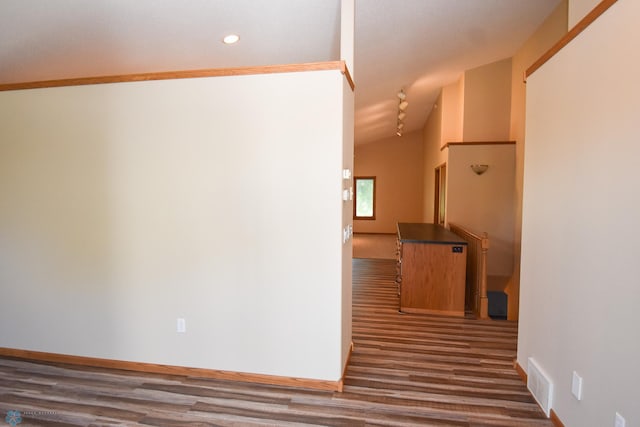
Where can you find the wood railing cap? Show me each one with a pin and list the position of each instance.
(185, 74)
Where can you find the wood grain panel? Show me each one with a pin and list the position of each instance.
(433, 279)
(405, 370)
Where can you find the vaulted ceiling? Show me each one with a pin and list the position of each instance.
(418, 45)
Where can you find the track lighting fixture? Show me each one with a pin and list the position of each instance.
(402, 106)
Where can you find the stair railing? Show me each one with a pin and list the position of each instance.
(476, 283)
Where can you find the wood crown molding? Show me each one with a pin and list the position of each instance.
(572, 34)
(452, 143)
(523, 375)
(172, 370)
(187, 74)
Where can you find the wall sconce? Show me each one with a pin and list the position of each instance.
(402, 105)
(479, 169)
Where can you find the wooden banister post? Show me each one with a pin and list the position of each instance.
(484, 301)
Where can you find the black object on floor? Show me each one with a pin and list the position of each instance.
(497, 305)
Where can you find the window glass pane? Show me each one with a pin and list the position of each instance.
(364, 197)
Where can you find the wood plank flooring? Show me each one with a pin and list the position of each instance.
(406, 370)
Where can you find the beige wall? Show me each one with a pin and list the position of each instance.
(348, 123)
(452, 111)
(487, 102)
(397, 164)
(347, 38)
(126, 206)
(433, 157)
(552, 30)
(578, 9)
(475, 108)
(484, 203)
(579, 275)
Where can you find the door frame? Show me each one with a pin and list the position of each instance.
(440, 194)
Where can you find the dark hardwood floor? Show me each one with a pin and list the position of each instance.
(406, 370)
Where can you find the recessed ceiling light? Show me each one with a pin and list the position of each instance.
(231, 39)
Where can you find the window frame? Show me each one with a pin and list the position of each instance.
(355, 198)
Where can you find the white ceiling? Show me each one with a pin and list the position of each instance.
(418, 45)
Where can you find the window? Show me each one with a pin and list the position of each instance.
(365, 197)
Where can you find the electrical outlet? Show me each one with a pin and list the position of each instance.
(620, 421)
(181, 325)
(576, 386)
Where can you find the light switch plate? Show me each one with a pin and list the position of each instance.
(181, 325)
(576, 386)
